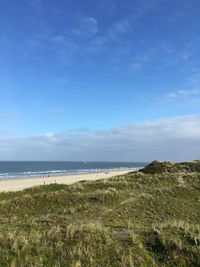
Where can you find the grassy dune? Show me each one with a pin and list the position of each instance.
(139, 219)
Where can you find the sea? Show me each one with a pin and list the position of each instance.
(34, 169)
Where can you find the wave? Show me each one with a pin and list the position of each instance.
(34, 174)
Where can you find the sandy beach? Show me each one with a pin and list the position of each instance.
(20, 184)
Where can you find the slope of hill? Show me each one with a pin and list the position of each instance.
(169, 167)
(148, 218)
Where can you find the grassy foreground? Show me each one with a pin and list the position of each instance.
(139, 219)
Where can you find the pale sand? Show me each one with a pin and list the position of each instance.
(20, 184)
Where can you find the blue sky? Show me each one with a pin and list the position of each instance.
(74, 71)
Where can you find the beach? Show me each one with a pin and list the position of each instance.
(20, 184)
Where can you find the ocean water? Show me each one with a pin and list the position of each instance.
(31, 169)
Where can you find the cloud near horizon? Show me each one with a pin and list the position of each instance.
(175, 138)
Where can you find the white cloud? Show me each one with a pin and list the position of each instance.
(50, 137)
(175, 138)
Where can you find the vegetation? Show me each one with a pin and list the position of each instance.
(169, 167)
(138, 219)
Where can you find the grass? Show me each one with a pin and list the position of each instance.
(138, 219)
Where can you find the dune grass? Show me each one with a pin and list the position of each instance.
(137, 219)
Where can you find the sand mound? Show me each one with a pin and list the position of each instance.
(169, 167)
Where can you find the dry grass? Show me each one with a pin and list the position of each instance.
(132, 220)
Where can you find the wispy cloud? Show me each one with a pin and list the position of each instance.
(36, 5)
(63, 81)
(139, 62)
(121, 27)
(56, 112)
(68, 44)
(191, 92)
(10, 117)
(107, 6)
(128, 24)
(180, 94)
(194, 79)
(175, 138)
(178, 15)
(85, 36)
(185, 101)
(86, 27)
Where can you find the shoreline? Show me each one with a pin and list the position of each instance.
(23, 183)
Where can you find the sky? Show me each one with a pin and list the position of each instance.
(100, 80)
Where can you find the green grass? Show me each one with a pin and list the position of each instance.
(133, 220)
